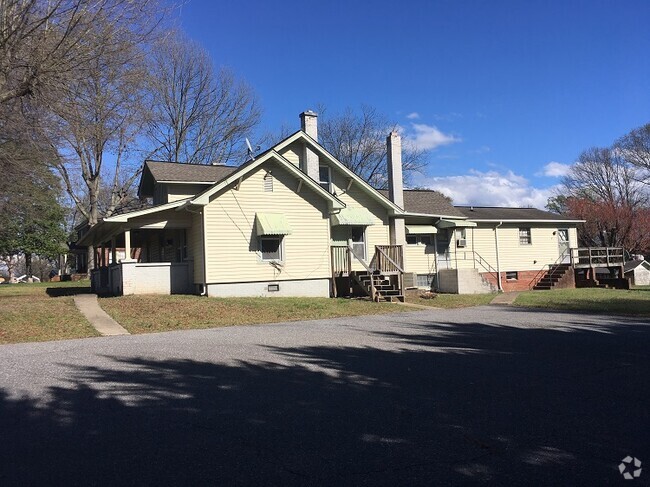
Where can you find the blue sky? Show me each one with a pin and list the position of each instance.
(505, 93)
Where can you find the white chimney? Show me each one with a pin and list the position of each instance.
(395, 186)
(309, 159)
(395, 183)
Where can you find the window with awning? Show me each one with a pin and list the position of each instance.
(271, 224)
(353, 216)
(421, 229)
(449, 223)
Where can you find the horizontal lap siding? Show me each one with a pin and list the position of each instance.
(291, 154)
(232, 254)
(376, 234)
(177, 192)
(515, 257)
(420, 259)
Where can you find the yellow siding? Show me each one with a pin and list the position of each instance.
(177, 192)
(292, 154)
(513, 256)
(231, 240)
(376, 234)
(420, 258)
(165, 219)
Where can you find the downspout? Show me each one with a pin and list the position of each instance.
(496, 238)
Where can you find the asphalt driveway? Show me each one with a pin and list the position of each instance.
(489, 394)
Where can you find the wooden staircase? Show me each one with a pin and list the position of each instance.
(554, 274)
(385, 289)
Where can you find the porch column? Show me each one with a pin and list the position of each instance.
(127, 244)
(113, 251)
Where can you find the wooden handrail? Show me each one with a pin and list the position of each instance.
(381, 251)
(373, 291)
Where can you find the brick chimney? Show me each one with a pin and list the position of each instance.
(309, 159)
(395, 186)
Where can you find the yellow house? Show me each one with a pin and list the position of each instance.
(294, 221)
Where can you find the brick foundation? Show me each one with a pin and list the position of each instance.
(523, 282)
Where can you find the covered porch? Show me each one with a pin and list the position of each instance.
(143, 252)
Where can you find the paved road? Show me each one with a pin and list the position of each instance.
(420, 398)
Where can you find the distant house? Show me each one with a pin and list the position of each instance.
(294, 221)
(638, 271)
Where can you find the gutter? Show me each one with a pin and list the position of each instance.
(496, 238)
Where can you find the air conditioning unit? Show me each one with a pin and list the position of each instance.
(461, 242)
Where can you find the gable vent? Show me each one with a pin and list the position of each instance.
(268, 182)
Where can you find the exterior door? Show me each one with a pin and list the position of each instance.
(563, 244)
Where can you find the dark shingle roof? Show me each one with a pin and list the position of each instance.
(427, 202)
(504, 213)
(633, 264)
(173, 171)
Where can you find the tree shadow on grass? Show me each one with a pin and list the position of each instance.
(435, 404)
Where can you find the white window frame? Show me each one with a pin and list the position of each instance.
(280, 239)
(529, 235)
(327, 185)
(364, 241)
(419, 239)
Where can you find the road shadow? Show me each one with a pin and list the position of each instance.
(436, 404)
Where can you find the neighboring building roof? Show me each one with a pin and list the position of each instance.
(427, 202)
(633, 264)
(495, 213)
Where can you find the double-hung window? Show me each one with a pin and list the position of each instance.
(325, 177)
(358, 237)
(525, 237)
(271, 248)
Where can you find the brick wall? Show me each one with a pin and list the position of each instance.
(522, 283)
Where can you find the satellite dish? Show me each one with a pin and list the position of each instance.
(250, 150)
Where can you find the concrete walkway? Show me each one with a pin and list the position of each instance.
(505, 298)
(104, 324)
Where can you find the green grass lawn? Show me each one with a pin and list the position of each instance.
(613, 301)
(449, 300)
(156, 313)
(41, 312)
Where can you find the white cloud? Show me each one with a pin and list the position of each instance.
(413, 116)
(428, 137)
(556, 169)
(490, 188)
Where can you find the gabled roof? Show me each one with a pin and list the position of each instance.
(365, 187)
(495, 214)
(176, 172)
(204, 197)
(633, 264)
(427, 202)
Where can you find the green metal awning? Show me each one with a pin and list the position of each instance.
(421, 229)
(448, 223)
(353, 216)
(271, 224)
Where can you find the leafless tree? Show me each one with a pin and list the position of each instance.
(358, 140)
(45, 44)
(634, 147)
(96, 127)
(603, 188)
(200, 115)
